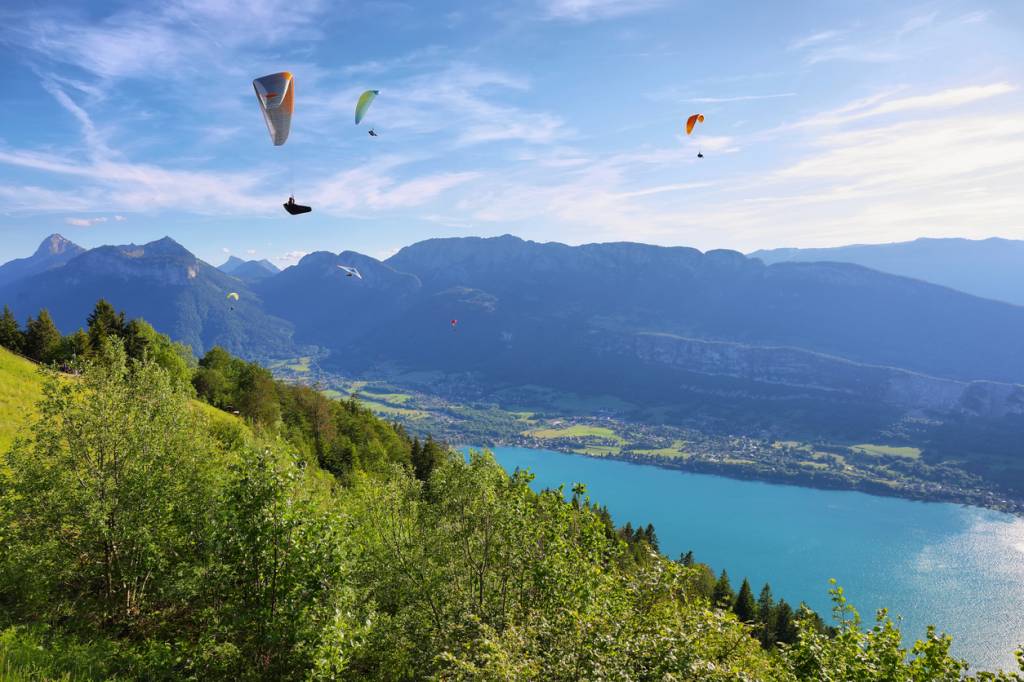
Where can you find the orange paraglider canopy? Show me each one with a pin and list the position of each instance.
(692, 121)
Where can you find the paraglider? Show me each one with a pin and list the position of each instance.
(365, 100)
(276, 96)
(232, 296)
(455, 323)
(350, 271)
(295, 209)
(690, 123)
(373, 133)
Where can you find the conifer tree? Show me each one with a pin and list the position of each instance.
(766, 616)
(744, 608)
(41, 337)
(11, 336)
(104, 322)
(723, 596)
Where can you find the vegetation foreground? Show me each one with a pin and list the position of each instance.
(149, 536)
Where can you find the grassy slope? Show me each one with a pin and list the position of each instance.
(21, 386)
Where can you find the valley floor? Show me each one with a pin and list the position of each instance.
(538, 417)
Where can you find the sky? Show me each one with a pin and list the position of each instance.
(826, 123)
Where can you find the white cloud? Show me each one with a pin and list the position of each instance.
(815, 39)
(173, 39)
(225, 249)
(120, 218)
(289, 258)
(250, 252)
(883, 103)
(740, 98)
(590, 10)
(85, 222)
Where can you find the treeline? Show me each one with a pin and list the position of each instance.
(148, 537)
(40, 340)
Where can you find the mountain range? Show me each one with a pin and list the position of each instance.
(990, 268)
(823, 349)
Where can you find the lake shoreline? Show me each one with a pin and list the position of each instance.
(1011, 507)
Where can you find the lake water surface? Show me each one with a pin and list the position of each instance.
(960, 568)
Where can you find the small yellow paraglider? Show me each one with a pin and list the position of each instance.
(232, 296)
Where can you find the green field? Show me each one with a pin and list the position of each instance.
(887, 450)
(21, 386)
(577, 431)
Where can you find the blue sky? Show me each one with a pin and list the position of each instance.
(826, 123)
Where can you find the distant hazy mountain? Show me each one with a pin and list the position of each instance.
(54, 252)
(575, 295)
(249, 271)
(161, 282)
(991, 268)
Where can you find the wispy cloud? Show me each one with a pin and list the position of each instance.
(884, 103)
(591, 10)
(815, 39)
(84, 222)
(740, 98)
(289, 258)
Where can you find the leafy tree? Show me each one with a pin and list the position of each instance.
(744, 607)
(111, 492)
(142, 341)
(723, 595)
(276, 585)
(11, 336)
(104, 322)
(41, 337)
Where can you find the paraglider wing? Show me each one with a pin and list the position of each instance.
(455, 323)
(692, 121)
(295, 209)
(233, 296)
(365, 100)
(276, 95)
(350, 271)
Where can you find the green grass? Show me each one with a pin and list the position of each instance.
(21, 387)
(390, 410)
(394, 398)
(300, 365)
(887, 450)
(577, 431)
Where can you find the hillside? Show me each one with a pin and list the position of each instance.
(202, 552)
(990, 268)
(53, 252)
(21, 387)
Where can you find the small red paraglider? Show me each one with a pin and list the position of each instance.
(455, 323)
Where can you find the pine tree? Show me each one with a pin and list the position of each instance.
(687, 559)
(652, 538)
(785, 626)
(744, 608)
(41, 337)
(766, 616)
(723, 596)
(104, 322)
(11, 336)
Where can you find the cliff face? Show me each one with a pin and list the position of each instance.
(803, 370)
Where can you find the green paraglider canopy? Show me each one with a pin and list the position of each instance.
(365, 100)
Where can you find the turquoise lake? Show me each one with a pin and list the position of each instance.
(960, 568)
